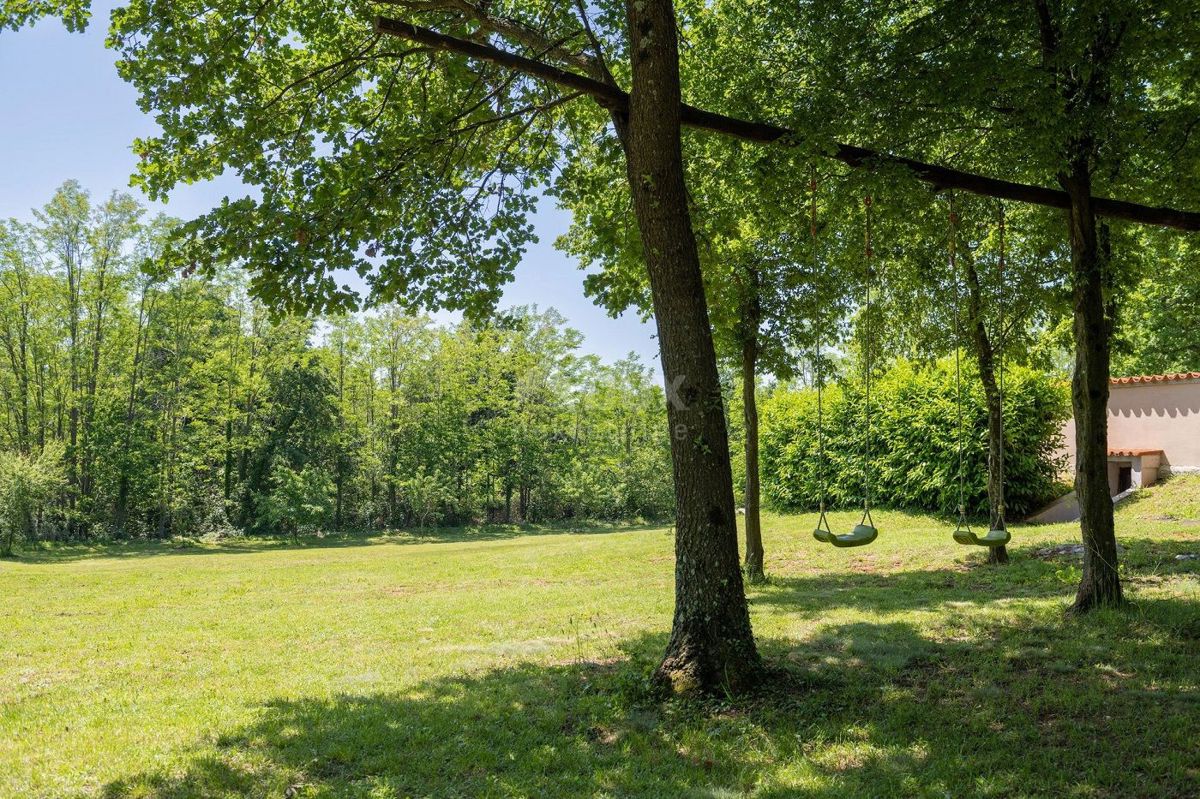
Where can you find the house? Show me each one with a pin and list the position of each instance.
(1153, 429)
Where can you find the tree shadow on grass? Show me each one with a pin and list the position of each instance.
(1028, 576)
(815, 595)
(859, 709)
(1157, 554)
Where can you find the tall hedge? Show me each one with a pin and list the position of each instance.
(914, 449)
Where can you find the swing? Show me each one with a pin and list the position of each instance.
(864, 532)
(998, 536)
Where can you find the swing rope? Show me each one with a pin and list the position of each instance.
(868, 254)
(823, 522)
(962, 524)
(1001, 511)
(864, 532)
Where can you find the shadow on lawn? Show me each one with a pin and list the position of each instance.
(1026, 577)
(250, 544)
(865, 588)
(861, 709)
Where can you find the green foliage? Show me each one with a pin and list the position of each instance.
(1157, 326)
(27, 484)
(425, 494)
(15, 14)
(914, 441)
(176, 398)
(298, 502)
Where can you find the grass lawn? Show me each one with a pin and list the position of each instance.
(510, 663)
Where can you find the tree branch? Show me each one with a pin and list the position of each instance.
(941, 177)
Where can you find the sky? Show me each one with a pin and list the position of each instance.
(64, 113)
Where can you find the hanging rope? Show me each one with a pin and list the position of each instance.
(958, 400)
(868, 254)
(864, 532)
(823, 523)
(1000, 510)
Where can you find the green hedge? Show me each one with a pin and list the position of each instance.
(914, 462)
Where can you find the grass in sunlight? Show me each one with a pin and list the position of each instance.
(507, 662)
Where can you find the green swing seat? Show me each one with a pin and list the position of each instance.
(861, 535)
(993, 538)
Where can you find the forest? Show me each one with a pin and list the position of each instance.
(140, 402)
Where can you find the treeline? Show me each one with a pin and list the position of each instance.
(142, 402)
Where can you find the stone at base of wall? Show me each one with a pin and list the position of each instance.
(1166, 470)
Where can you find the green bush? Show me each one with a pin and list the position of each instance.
(299, 501)
(914, 442)
(27, 483)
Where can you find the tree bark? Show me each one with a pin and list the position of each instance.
(1101, 583)
(985, 358)
(753, 564)
(711, 645)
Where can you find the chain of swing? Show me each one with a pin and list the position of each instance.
(997, 534)
(865, 531)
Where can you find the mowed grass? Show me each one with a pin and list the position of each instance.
(515, 663)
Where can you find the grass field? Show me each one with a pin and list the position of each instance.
(514, 663)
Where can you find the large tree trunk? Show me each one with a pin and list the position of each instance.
(985, 359)
(711, 646)
(753, 563)
(1101, 584)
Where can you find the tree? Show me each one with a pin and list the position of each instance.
(1156, 334)
(298, 501)
(425, 494)
(711, 643)
(1088, 95)
(419, 174)
(27, 483)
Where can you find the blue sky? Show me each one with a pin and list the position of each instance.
(65, 114)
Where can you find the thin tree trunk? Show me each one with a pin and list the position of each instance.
(73, 281)
(93, 382)
(141, 341)
(711, 645)
(231, 407)
(985, 358)
(1101, 583)
(393, 424)
(341, 442)
(754, 544)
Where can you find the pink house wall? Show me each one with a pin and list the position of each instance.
(1152, 415)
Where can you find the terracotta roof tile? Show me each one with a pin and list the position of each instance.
(1168, 378)
(1132, 453)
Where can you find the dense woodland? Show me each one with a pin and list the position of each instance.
(158, 403)
(141, 401)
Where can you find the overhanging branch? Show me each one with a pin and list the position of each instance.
(938, 176)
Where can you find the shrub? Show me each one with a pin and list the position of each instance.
(27, 482)
(426, 495)
(914, 442)
(298, 502)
